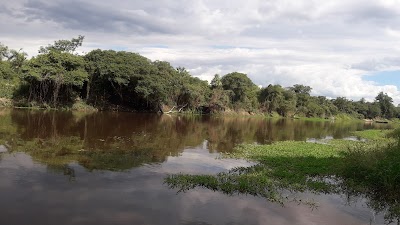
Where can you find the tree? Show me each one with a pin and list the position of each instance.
(344, 105)
(314, 109)
(271, 97)
(55, 72)
(154, 89)
(68, 46)
(187, 91)
(374, 110)
(386, 105)
(302, 97)
(216, 82)
(114, 78)
(288, 105)
(3, 52)
(219, 99)
(301, 89)
(244, 91)
(49, 74)
(361, 107)
(15, 58)
(320, 106)
(11, 63)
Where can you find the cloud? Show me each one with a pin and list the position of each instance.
(331, 45)
(80, 15)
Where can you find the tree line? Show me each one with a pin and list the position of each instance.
(108, 79)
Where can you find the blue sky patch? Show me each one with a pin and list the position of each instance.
(385, 78)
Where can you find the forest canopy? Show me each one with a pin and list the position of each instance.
(118, 80)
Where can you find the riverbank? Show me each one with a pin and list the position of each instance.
(82, 106)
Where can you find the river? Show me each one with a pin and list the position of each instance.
(109, 168)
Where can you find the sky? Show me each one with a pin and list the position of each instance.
(341, 48)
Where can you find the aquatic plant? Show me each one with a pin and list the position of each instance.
(370, 169)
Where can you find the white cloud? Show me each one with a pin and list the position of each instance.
(329, 45)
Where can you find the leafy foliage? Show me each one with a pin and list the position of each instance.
(68, 46)
(54, 75)
(244, 91)
(119, 80)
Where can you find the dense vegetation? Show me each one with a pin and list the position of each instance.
(119, 80)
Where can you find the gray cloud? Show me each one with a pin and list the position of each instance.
(80, 15)
(378, 64)
(374, 12)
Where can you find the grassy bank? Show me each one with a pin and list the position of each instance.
(370, 169)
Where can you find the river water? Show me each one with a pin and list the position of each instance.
(109, 168)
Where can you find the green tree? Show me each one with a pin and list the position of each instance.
(244, 91)
(219, 99)
(271, 97)
(114, 78)
(344, 105)
(68, 46)
(386, 105)
(288, 105)
(361, 107)
(374, 110)
(155, 89)
(55, 72)
(3, 52)
(302, 93)
(314, 109)
(216, 82)
(15, 59)
(320, 106)
(11, 63)
(186, 91)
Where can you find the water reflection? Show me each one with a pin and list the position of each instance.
(120, 141)
(33, 193)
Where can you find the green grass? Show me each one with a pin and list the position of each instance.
(372, 134)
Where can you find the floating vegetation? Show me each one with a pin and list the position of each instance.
(369, 169)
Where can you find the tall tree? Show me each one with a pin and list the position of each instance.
(386, 105)
(216, 82)
(55, 72)
(244, 91)
(271, 97)
(11, 63)
(114, 77)
(302, 97)
(68, 46)
(344, 105)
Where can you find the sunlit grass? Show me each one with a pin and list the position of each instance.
(372, 134)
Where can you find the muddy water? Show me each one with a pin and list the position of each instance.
(109, 168)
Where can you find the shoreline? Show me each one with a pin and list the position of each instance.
(81, 106)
